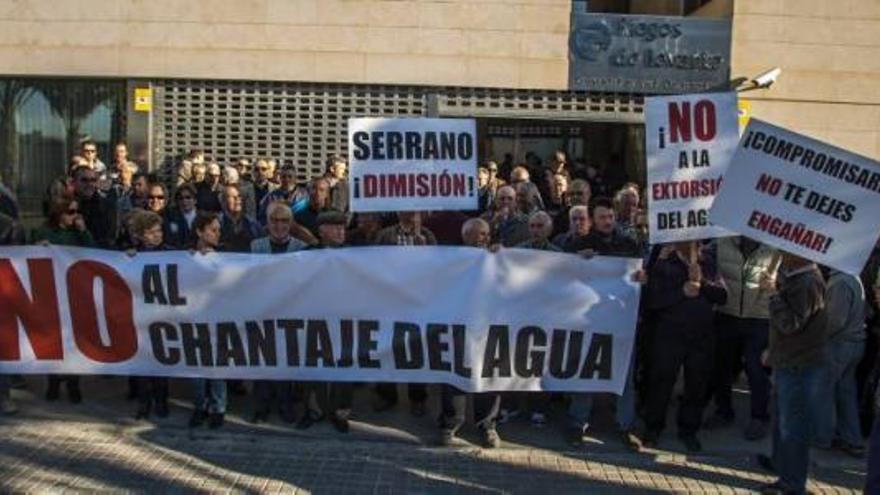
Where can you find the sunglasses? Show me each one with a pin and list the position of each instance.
(90, 150)
(155, 197)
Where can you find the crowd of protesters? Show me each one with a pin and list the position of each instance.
(711, 310)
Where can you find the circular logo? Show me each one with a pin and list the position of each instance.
(591, 41)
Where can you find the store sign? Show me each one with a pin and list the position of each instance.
(647, 54)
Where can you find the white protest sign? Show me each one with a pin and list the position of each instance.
(412, 164)
(689, 140)
(802, 196)
(513, 320)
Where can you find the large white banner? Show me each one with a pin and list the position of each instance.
(689, 140)
(512, 320)
(802, 196)
(412, 164)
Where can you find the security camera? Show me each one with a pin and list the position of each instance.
(766, 79)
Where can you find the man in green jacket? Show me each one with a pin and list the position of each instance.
(741, 330)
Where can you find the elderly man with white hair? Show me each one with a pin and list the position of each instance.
(579, 227)
(540, 228)
(476, 233)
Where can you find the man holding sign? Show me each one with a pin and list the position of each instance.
(816, 203)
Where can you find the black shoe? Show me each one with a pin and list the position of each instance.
(259, 417)
(308, 419)
(198, 418)
(575, 436)
(650, 438)
(215, 420)
(417, 409)
(73, 393)
(446, 438)
(382, 405)
(691, 443)
(766, 463)
(143, 412)
(52, 393)
(774, 489)
(162, 409)
(237, 387)
(718, 420)
(756, 430)
(288, 416)
(17, 382)
(340, 424)
(629, 441)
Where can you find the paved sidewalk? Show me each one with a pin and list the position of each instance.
(97, 446)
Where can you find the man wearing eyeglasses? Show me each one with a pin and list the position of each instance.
(97, 208)
(263, 185)
(89, 151)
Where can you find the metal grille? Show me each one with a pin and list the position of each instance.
(303, 123)
(541, 104)
(295, 123)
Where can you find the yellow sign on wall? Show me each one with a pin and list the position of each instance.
(744, 111)
(143, 99)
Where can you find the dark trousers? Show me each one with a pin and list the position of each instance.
(795, 392)
(453, 403)
(267, 390)
(672, 349)
(152, 390)
(872, 481)
(71, 380)
(329, 397)
(739, 343)
(4, 387)
(416, 392)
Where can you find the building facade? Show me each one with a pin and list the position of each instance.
(280, 78)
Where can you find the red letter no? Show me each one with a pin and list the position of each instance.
(117, 311)
(38, 314)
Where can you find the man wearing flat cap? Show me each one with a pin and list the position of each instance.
(323, 398)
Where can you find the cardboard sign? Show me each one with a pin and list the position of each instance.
(412, 164)
(801, 196)
(689, 140)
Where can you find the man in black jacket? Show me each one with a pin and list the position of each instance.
(604, 237)
(683, 289)
(606, 240)
(323, 398)
(98, 210)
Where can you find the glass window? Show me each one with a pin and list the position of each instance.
(43, 121)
